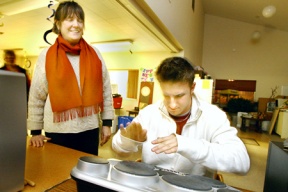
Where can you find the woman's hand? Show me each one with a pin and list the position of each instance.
(38, 140)
(134, 131)
(105, 135)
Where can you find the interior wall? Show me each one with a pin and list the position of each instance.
(186, 24)
(230, 53)
(120, 79)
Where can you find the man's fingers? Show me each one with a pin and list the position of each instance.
(122, 130)
(134, 131)
(159, 140)
(167, 144)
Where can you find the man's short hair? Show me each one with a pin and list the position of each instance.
(9, 53)
(175, 69)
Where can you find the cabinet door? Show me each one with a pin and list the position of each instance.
(282, 124)
(284, 134)
(279, 123)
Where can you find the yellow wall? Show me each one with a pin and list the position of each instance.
(186, 24)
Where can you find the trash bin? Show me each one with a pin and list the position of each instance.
(117, 101)
(124, 120)
(265, 125)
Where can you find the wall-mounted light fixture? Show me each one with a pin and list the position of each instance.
(114, 46)
(269, 11)
(256, 36)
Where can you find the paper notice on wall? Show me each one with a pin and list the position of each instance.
(206, 84)
(147, 75)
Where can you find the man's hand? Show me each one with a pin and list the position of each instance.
(38, 140)
(105, 135)
(165, 145)
(134, 131)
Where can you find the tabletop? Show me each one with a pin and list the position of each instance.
(49, 165)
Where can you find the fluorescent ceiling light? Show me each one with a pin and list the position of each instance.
(13, 7)
(114, 46)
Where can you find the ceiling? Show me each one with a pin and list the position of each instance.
(109, 20)
(250, 11)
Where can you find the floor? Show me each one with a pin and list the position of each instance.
(257, 146)
(258, 151)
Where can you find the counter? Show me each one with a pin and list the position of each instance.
(49, 165)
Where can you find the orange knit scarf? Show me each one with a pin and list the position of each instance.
(68, 101)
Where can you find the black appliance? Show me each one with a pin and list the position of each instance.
(276, 176)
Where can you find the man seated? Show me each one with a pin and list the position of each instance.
(181, 132)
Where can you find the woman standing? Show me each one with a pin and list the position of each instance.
(70, 95)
